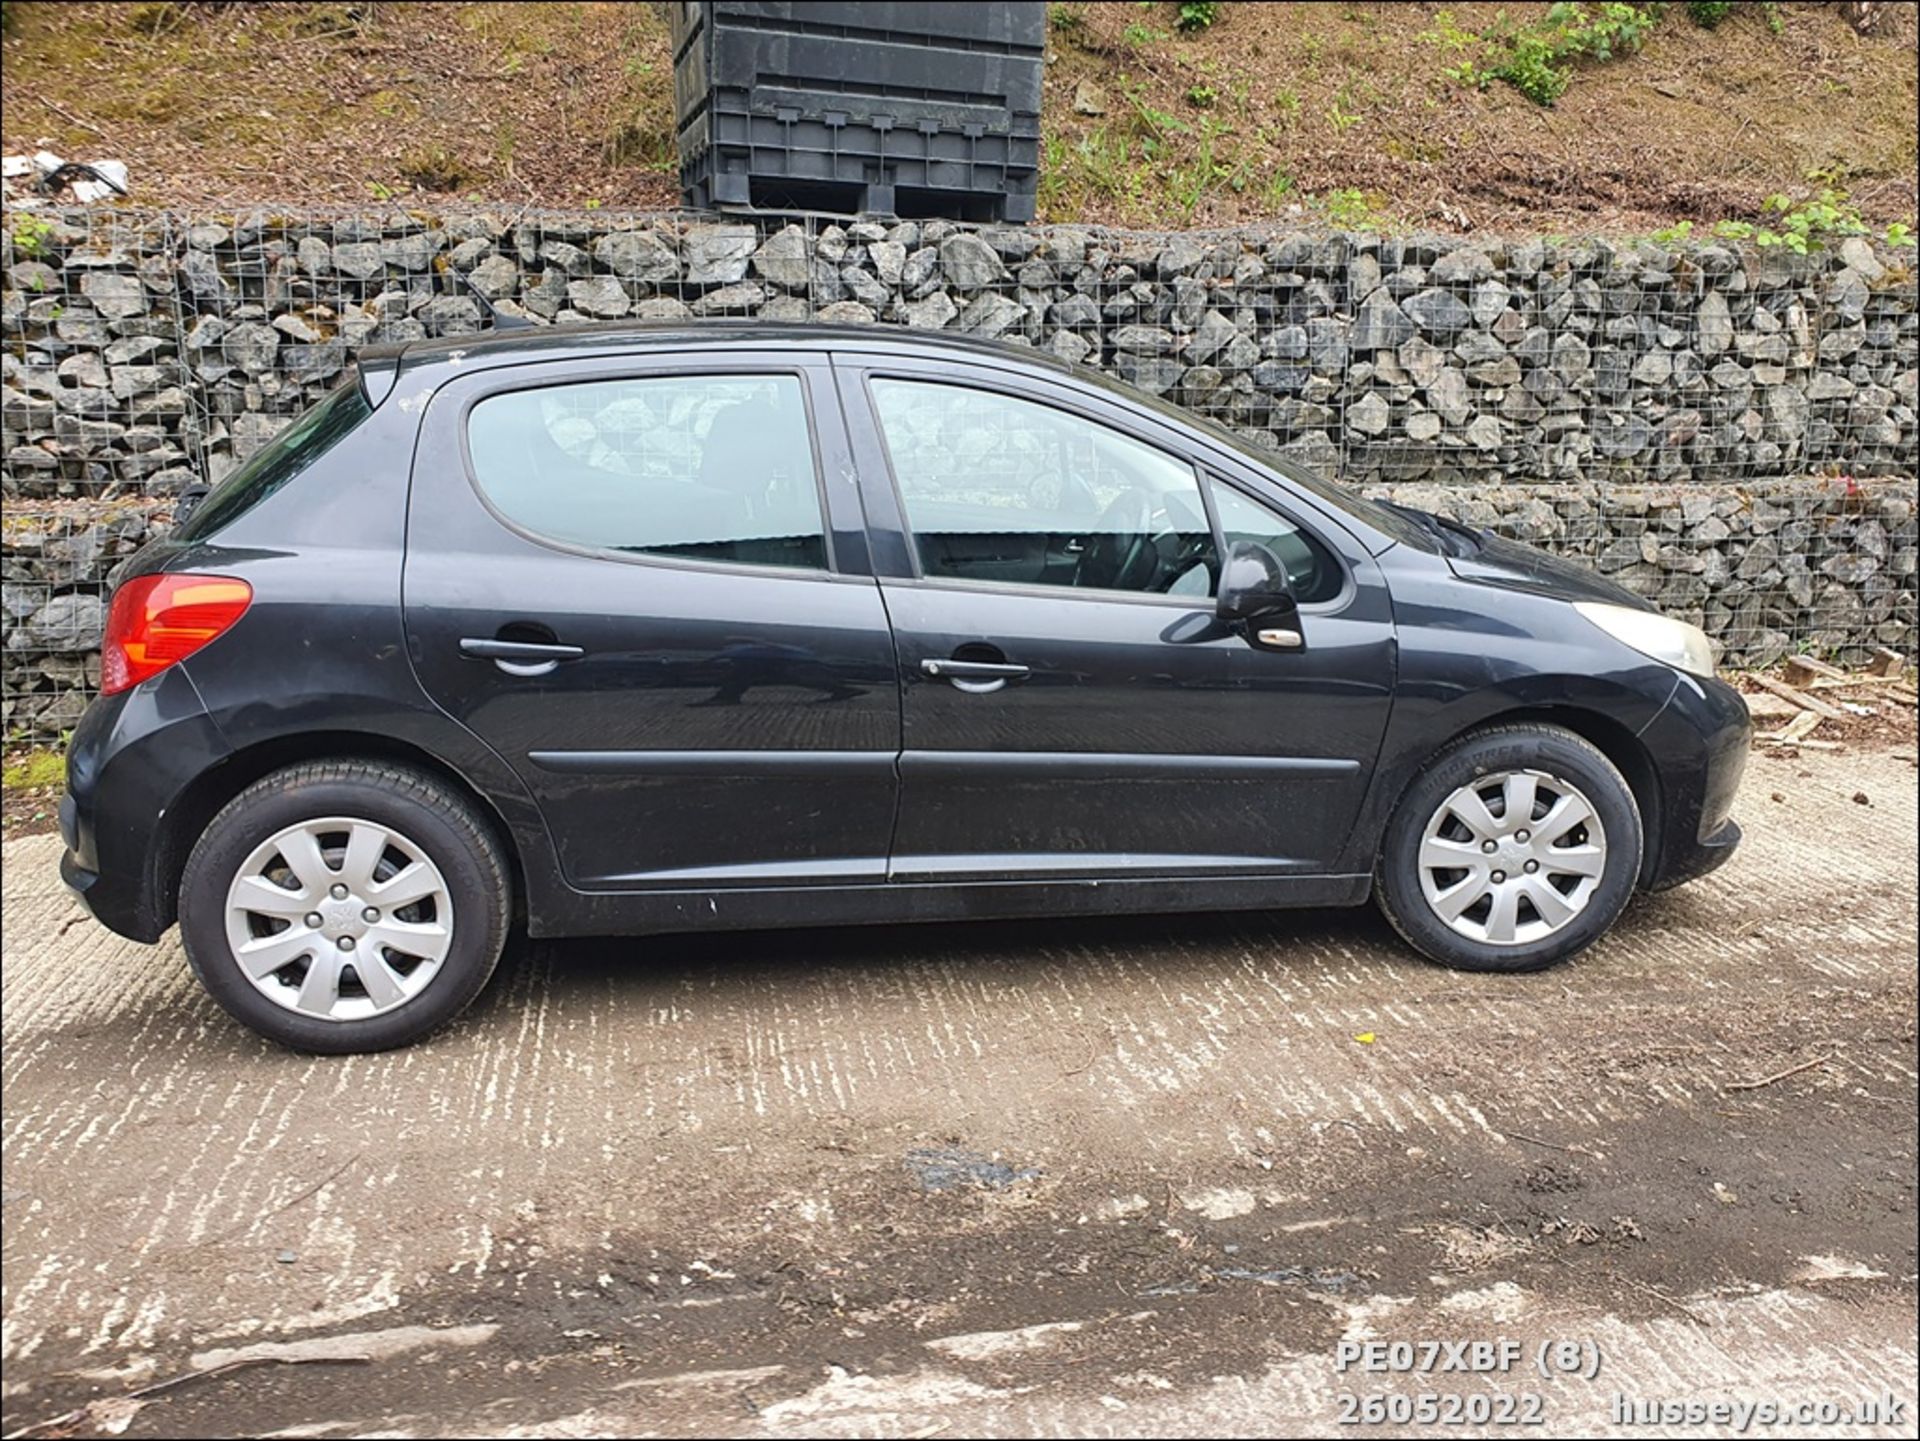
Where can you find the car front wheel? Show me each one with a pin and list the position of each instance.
(345, 906)
(1516, 847)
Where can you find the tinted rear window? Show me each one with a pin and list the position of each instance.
(312, 434)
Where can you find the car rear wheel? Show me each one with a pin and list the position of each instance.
(345, 906)
(1515, 848)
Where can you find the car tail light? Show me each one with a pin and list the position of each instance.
(156, 620)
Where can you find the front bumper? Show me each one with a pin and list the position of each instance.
(1699, 744)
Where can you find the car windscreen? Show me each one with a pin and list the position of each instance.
(312, 434)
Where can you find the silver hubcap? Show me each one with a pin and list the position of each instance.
(339, 919)
(1510, 858)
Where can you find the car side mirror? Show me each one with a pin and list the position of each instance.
(1256, 598)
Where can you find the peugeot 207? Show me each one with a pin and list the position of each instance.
(634, 630)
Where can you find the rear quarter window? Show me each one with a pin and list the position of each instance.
(313, 433)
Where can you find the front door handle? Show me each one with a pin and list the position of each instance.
(976, 677)
(519, 657)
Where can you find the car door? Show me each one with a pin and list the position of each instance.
(1071, 705)
(644, 583)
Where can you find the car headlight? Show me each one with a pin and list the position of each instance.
(1674, 642)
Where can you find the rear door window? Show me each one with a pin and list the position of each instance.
(713, 467)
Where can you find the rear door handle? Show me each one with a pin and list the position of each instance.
(519, 657)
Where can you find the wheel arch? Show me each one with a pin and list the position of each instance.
(1612, 738)
(203, 798)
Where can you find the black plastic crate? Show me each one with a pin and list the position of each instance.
(900, 107)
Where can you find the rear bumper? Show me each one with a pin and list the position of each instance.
(1699, 744)
(130, 760)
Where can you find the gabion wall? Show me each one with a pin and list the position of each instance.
(1730, 432)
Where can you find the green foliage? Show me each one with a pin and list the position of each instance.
(1138, 35)
(1202, 97)
(1899, 234)
(1708, 14)
(1339, 117)
(30, 235)
(1801, 227)
(1538, 60)
(1674, 233)
(1197, 15)
(1350, 210)
(34, 769)
(1599, 31)
(1065, 17)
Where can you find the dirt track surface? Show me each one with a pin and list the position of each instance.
(1128, 1178)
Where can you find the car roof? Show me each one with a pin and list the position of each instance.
(557, 342)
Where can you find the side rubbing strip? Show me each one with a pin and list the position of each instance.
(713, 763)
(1127, 766)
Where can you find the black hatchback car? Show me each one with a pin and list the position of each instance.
(648, 629)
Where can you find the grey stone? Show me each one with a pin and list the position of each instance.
(451, 315)
(1422, 425)
(1438, 312)
(1653, 368)
(969, 263)
(114, 296)
(737, 299)
(315, 255)
(784, 259)
(495, 277)
(1143, 339)
(989, 315)
(1448, 395)
(1154, 374)
(889, 261)
(1368, 415)
(251, 346)
(1504, 371)
(1856, 253)
(931, 313)
(848, 312)
(1461, 267)
(601, 296)
(358, 261)
(1713, 324)
(1422, 361)
(1380, 324)
(637, 255)
(1787, 411)
(412, 252)
(661, 307)
(67, 622)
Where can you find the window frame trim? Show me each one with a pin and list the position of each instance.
(1340, 599)
(804, 374)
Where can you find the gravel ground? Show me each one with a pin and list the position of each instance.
(1137, 1177)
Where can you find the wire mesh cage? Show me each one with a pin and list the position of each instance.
(1730, 433)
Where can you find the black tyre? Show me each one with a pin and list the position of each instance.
(344, 906)
(1516, 847)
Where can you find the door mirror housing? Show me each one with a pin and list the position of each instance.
(1256, 598)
